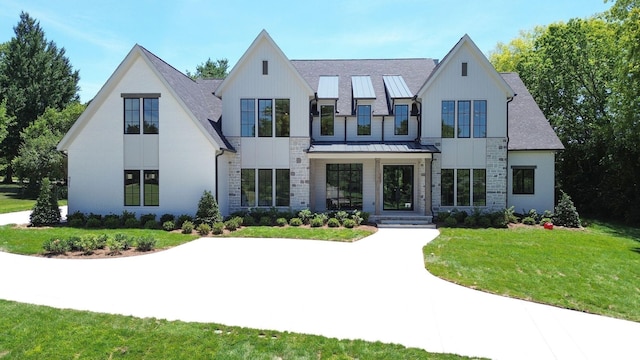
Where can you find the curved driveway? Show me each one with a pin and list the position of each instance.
(374, 289)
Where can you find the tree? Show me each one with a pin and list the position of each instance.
(211, 70)
(34, 75)
(4, 120)
(208, 210)
(37, 157)
(46, 211)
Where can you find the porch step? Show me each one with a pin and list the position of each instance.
(404, 221)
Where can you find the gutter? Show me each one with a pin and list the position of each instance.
(509, 99)
(418, 117)
(221, 151)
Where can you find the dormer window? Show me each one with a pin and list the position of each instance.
(265, 67)
(464, 69)
(364, 119)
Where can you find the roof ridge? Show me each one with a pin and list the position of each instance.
(164, 62)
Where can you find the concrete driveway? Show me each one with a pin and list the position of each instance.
(374, 289)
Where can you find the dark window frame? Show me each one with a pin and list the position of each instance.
(265, 117)
(346, 192)
(248, 187)
(479, 187)
(524, 180)
(131, 192)
(464, 119)
(131, 115)
(328, 128)
(151, 192)
(151, 115)
(363, 114)
(248, 117)
(265, 67)
(479, 119)
(401, 121)
(448, 116)
(282, 117)
(465, 68)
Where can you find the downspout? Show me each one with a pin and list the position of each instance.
(418, 118)
(383, 116)
(218, 153)
(509, 99)
(345, 129)
(315, 98)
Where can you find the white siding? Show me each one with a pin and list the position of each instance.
(543, 197)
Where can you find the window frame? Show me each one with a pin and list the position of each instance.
(151, 116)
(324, 128)
(282, 187)
(519, 182)
(151, 197)
(448, 116)
(248, 187)
(479, 187)
(401, 117)
(363, 113)
(447, 190)
(479, 119)
(247, 117)
(129, 113)
(282, 117)
(265, 113)
(349, 180)
(132, 198)
(463, 128)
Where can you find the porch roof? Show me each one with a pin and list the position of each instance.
(395, 149)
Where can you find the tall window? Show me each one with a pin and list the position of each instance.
(151, 188)
(247, 187)
(282, 117)
(479, 187)
(131, 116)
(448, 118)
(447, 189)
(402, 120)
(282, 187)
(326, 120)
(463, 183)
(364, 119)
(480, 118)
(523, 180)
(265, 118)
(248, 117)
(132, 187)
(464, 119)
(344, 186)
(150, 115)
(265, 187)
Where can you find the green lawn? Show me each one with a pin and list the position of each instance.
(292, 232)
(12, 201)
(40, 332)
(596, 270)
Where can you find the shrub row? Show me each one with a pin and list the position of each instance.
(479, 219)
(88, 244)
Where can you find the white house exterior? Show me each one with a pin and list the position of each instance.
(396, 137)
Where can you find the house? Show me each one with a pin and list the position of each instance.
(405, 137)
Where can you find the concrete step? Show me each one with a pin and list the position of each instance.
(406, 226)
(397, 221)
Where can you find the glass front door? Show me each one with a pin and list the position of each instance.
(397, 192)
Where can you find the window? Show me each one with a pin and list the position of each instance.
(447, 190)
(265, 67)
(464, 69)
(282, 117)
(364, 119)
(523, 180)
(326, 120)
(402, 120)
(248, 117)
(282, 187)
(265, 187)
(131, 116)
(464, 118)
(265, 118)
(480, 118)
(132, 188)
(344, 186)
(479, 187)
(150, 115)
(448, 118)
(248, 187)
(151, 188)
(459, 186)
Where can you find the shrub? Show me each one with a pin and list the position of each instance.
(316, 221)
(533, 213)
(281, 221)
(112, 221)
(529, 220)
(181, 220)
(168, 225)
(146, 243)
(125, 240)
(499, 220)
(166, 217)
(470, 221)
(76, 223)
(265, 221)
(88, 244)
(101, 241)
(55, 246)
(93, 223)
(151, 224)
(131, 223)
(356, 217)
(218, 228)
(545, 220)
(45, 211)
(144, 218)
(547, 214)
(484, 221)
(77, 219)
(566, 213)
(349, 223)
(443, 215)
(333, 222)
(295, 221)
(451, 221)
(305, 215)
(208, 211)
(232, 224)
(248, 220)
(460, 215)
(239, 220)
(74, 243)
(510, 216)
(126, 215)
(341, 216)
(203, 229)
(115, 245)
(187, 227)
(365, 216)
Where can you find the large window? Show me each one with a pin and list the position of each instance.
(460, 186)
(448, 118)
(523, 180)
(282, 117)
(131, 116)
(464, 119)
(132, 187)
(150, 117)
(151, 188)
(248, 117)
(364, 119)
(344, 186)
(265, 187)
(402, 120)
(265, 118)
(479, 118)
(327, 113)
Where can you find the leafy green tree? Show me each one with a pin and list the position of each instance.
(4, 120)
(34, 75)
(208, 210)
(211, 69)
(38, 157)
(46, 211)
(507, 57)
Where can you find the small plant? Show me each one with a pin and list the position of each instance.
(76, 223)
(529, 220)
(166, 217)
(77, 219)
(248, 220)
(460, 215)
(55, 246)
(203, 229)
(146, 243)
(316, 221)
(208, 210)
(88, 244)
(484, 221)
(125, 240)
(334, 223)
(566, 213)
(187, 227)
(112, 221)
(281, 221)
(356, 217)
(365, 216)
(151, 224)
(168, 225)
(115, 246)
(101, 241)
(470, 221)
(510, 216)
(349, 223)
(499, 220)
(126, 215)
(451, 221)
(546, 220)
(146, 217)
(132, 223)
(295, 221)
(218, 228)
(341, 216)
(305, 215)
(231, 224)
(442, 216)
(181, 220)
(265, 221)
(74, 243)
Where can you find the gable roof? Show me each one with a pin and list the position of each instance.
(484, 62)
(529, 129)
(196, 98)
(413, 71)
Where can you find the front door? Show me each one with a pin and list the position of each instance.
(397, 192)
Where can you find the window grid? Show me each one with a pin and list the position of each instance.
(151, 188)
(131, 116)
(248, 187)
(283, 187)
(327, 113)
(479, 118)
(524, 181)
(265, 118)
(401, 120)
(459, 186)
(479, 187)
(464, 118)
(448, 119)
(150, 116)
(248, 117)
(364, 119)
(282, 117)
(132, 187)
(344, 186)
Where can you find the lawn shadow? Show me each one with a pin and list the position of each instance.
(14, 191)
(636, 250)
(622, 230)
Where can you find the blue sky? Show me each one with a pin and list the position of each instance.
(97, 35)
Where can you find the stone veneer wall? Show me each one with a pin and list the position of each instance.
(235, 164)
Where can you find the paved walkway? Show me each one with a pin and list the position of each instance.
(375, 289)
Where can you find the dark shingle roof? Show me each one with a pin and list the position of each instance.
(413, 71)
(529, 129)
(196, 95)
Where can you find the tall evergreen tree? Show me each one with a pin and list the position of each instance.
(211, 69)
(34, 75)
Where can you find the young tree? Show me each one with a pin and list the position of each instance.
(34, 75)
(211, 70)
(208, 210)
(46, 211)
